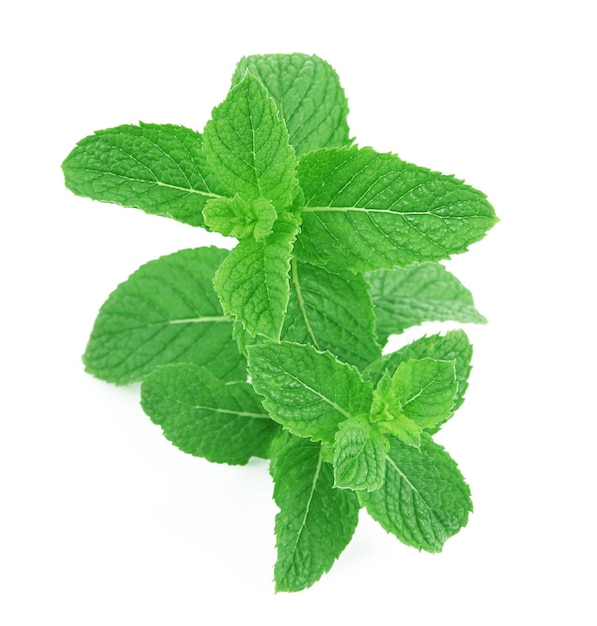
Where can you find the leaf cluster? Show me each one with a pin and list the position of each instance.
(274, 349)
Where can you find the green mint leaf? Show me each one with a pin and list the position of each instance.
(424, 499)
(166, 312)
(419, 293)
(201, 415)
(424, 390)
(246, 146)
(307, 391)
(453, 346)
(159, 169)
(308, 95)
(332, 311)
(315, 522)
(240, 218)
(359, 455)
(367, 211)
(253, 282)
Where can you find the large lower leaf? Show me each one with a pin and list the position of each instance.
(316, 521)
(222, 422)
(166, 312)
(424, 499)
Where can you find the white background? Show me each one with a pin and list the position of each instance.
(102, 521)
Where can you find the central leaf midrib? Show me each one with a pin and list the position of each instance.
(301, 302)
(307, 508)
(200, 407)
(340, 209)
(195, 320)
(158, 183)
(175, 322)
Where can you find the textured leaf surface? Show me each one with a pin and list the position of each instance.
(247, 147)
(307, 391)
(424, 390)
(166, 312)
(359, 455)
(332, 311)
(367, 211)
(309, 97)
(201, 415)
(424, 499)
(453, 346)
(253, 282)
(315, 522)
(159, 169)
(419, 293)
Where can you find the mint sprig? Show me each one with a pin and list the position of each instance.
(274, 349)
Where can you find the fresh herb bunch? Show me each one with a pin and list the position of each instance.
(274, 349)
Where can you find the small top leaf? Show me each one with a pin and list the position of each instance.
(246, 146)
(359, 455)
(453, 346)
(253, 282)
(424, 390)
(308, 95)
